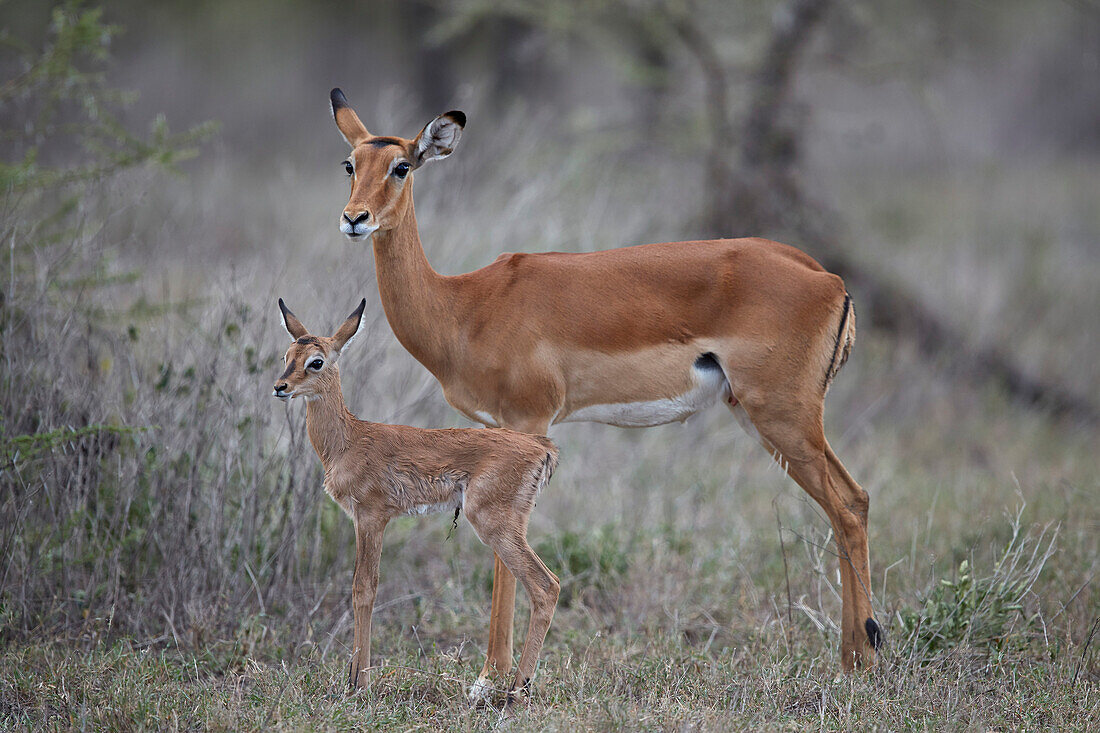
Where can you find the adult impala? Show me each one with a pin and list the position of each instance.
(636, 336)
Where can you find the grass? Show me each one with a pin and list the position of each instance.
(591, 678)
(663, 629)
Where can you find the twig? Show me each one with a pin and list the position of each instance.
(271, 707)
(786, 574)
(1074, 596)
(1084, 651)
(256, 586)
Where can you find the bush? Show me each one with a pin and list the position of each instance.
(983, 611)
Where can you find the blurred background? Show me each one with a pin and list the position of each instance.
(169, 169)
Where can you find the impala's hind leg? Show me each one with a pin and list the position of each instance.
(503, 526)
(498, 657)
(794, 433)
(542, 588)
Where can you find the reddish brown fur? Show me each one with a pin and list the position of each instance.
(376, 472)
(532, 339)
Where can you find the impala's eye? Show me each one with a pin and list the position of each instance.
(316, 365)
(349, 167)
(401, 170)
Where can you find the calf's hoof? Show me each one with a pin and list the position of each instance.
(480, 690)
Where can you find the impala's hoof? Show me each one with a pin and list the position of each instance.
(519, 696)
(517, 700)
(479, 691)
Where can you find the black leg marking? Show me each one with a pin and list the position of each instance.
(525, 688)
(874, 633)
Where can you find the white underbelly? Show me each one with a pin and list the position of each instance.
(710, 386)
(419, 510)
(486, 419)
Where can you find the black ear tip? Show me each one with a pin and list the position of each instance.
(337, 98)
(458, 116)
(282, 305)
(362, 304)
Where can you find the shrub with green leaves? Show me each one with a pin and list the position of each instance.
(985, 611)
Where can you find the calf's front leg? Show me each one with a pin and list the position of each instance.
(364, 587)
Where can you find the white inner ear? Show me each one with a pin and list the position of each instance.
(358, 330)
(438, 139)
(282, 318)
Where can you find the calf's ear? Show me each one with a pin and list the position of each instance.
(350, 328)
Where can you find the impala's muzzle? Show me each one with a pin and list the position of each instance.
(357, 226)
(282, 386)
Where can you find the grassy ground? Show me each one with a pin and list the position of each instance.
(680, 623)
(593, 681)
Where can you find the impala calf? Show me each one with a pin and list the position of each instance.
(376, 472)
(633, 336)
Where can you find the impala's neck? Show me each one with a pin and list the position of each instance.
(328, 420)
(416, 298)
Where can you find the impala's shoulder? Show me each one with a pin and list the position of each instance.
(513, 260)
(779, 249)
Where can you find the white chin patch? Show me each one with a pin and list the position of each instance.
(358, 231)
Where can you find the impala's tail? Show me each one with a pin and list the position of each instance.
(845, 337)
(549, 463)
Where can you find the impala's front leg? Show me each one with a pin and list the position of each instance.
(498, 658)
(368, 551)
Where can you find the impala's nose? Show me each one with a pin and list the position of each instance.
(280, 390)
(357, 225)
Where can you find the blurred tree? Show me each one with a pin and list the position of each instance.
(60, 140)
(58, 116)
(433, 62)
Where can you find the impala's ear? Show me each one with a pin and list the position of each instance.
(353, 130)
(350, 328)
(438, 138)
(291, 323)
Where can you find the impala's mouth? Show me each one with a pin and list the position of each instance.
(355, 232)
(284, 396)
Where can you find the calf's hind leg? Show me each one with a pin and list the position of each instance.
(498, 656)
(506, 534)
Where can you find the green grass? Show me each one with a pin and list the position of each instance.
(663, 629)
(590, 679)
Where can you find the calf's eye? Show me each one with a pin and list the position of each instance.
(316, 365)
(401, 170)
(349, 168)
